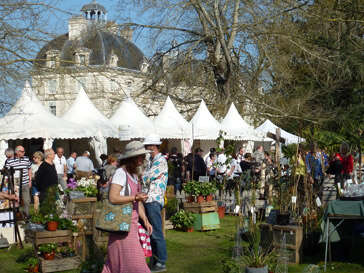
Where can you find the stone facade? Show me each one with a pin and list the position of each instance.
(94, 55)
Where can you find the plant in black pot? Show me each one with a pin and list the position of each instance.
(183, 220)
(256, 258)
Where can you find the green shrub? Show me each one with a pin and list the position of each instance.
(182, 220)
(171, 207)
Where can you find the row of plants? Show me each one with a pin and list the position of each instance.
(202, 190)
(88, 186)
(49, 252)
(52, 222)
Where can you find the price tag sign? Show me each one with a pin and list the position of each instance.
(318, 202)
(294, 199)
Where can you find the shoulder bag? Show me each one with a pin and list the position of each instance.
(114, 217)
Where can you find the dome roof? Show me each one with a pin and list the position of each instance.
(93, 6)
(102, 45)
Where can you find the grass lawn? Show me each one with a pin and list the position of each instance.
(196, 252)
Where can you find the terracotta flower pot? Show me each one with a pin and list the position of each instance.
(200, 199)
(52, 226)
(34, 269)
(190, 229)
(221, 212)
(209, 197)
(190, 199)
(49, 256)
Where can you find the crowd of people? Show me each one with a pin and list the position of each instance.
(142, 169)
(145, 172)
(33, 178)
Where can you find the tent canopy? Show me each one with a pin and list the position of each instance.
(84, 113)
(237, 128)
(269, 126)
(131, 121)
(28, 118)
(170, 123)
(205, 126)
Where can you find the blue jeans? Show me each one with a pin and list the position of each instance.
(159, 248)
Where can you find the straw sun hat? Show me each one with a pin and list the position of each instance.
(133, 149)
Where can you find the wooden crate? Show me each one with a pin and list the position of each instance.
(206, 221)
(294, 236)
(81, 206)
(88, 222)
(45, 237)
(203, 207)
(60, 264)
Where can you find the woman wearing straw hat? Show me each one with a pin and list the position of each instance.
(125, 254)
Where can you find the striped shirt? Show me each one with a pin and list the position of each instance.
(20, 165)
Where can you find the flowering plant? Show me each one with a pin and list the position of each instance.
(86, 185)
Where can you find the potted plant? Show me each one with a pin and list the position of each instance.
(37, 218)
(197, 191)
(48, 250)
(188, 189)
(33, 264)
(256, 258)
(66, 224)
(208, 190)
(66, 251)
(183, 220)
(52, 222)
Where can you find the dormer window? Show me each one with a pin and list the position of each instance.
(113, 62)
(53, 58)
(82, 59)
(82, 56)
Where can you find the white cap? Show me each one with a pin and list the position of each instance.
(152, 139)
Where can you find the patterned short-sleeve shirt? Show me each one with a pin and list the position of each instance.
(155, 179)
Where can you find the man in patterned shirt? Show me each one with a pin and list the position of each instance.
(155, 183)
(23, 172)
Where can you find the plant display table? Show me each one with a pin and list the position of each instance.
(58, 236)
(210, 206)
(45, 237)
(63, 264)
(294, 237)
(206, 221)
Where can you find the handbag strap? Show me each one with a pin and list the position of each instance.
(127, 193)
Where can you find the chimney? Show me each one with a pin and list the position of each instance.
(76, 26)
(127, 33)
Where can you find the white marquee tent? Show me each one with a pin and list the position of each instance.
(28, 118)
(237, 128)
(170, 123)
(269, 126)
(85, 113)
(204, 125)
(131, 121)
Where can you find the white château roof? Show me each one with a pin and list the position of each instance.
(170, 123)
(131, 121)
(28, 118)
(237, 128)
(85, 114)
(205, 126)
